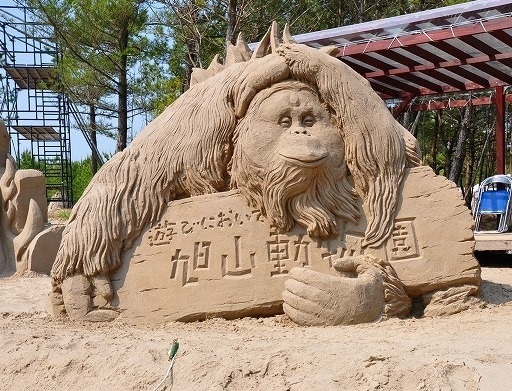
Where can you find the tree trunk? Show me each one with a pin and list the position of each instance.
(413, 128)
(193, 43)
(122, 124)
(460, 148)
(406, 119)
(470, 176)
(92, 133)
(231, 21)
(437, 124)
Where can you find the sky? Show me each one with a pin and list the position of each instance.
(80, 149)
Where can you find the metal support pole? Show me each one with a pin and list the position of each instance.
(500, 130)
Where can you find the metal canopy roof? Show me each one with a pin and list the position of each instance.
(451, 49)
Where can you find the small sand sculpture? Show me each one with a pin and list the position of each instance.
(24, 217)
(278, 181)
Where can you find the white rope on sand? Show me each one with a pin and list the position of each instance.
(172, 356)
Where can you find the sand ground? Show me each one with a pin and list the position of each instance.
(467, 351)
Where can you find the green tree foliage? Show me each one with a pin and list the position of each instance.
(459, 143)
(199, 29)
(53, 168)
(82, 175)
(25, 160)
(102, 43)
(156, 80)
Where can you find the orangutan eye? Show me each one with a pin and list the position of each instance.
(285, 122)
(308, 121)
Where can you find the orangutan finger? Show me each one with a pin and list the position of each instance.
(321, 281)
(351, 265)
(323, 309)
(257, 76)
(306, 291)
(103, 287)
(302, 304)
(301, 317)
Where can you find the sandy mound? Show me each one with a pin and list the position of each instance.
(468, 351)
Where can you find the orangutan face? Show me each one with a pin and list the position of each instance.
(295, 126)
(289, 161)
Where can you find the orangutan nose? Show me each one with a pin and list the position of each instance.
(300, 130)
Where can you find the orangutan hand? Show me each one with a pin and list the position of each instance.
(308, 65)
(258, 74)
(313, 299)
(331, 77)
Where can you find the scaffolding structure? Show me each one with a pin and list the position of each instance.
(35, 110)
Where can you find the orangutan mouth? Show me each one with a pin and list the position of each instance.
(306, 161)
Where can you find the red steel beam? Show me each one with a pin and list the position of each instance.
(427, 37)
(502, 36)
(449, 49)
(469, 75)
(404, 87)
(436, 74)
(469, 86)
(401, 59)
(420, 91)
(507, 62)
(424, 54)
(356, 66)
(374, 62)
(500, 130)
(496, 73)
(426, 84)
(384, 91)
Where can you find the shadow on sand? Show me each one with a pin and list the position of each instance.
(494, 292)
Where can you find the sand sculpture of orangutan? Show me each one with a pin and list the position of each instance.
(292, 162)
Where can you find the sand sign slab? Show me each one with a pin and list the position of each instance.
(214, 256)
